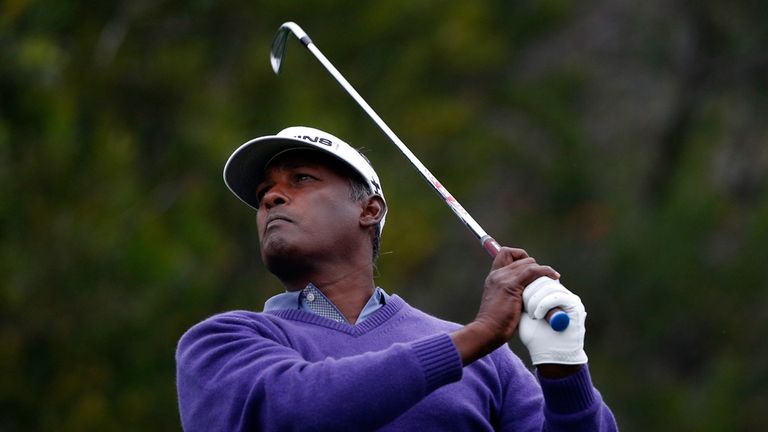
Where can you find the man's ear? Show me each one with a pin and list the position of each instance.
(374, 209)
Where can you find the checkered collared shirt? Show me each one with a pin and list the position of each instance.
(311, 299)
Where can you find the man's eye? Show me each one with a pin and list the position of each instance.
(303, 177)
(260, 195)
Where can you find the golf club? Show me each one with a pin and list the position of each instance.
(557, 318)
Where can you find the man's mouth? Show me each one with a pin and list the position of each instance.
(276, 218)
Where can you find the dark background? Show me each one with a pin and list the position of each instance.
(622, 142)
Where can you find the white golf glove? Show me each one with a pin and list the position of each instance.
(544, 344)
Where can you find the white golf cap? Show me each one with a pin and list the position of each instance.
(245, 168)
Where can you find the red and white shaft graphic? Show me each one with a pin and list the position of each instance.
(557, 318)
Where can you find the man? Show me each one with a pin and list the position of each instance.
(335, 352)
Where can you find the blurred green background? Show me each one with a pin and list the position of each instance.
(624, 143)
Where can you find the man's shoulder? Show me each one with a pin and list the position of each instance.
(427, 318)
(232, 322)
(241, 317)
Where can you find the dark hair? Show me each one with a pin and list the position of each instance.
(359, 191)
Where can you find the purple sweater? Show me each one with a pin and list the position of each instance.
(397, 370)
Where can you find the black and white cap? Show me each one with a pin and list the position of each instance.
(245, 167)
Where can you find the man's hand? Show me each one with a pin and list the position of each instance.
(545, 345)
(502, 304)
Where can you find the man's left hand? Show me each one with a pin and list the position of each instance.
(545, 345)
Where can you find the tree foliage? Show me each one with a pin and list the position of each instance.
(623, 143)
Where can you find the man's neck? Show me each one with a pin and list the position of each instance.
(349, 297)
(348, 288)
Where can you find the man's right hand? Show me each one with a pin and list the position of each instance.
(502, 304)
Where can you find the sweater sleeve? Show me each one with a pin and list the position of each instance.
(238, 372)
(568, 404)
(573, 404)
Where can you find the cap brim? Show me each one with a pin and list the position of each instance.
(245, 168)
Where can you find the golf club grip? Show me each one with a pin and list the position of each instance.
(556, 317)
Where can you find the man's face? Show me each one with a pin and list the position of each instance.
(305, 208)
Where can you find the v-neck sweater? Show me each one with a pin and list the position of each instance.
(397, 370)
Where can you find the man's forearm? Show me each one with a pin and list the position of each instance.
(474, 341)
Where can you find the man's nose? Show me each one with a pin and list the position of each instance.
(276, 195)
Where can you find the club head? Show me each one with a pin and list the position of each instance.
(277, 51)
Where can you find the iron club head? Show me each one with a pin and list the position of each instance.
(277, 51)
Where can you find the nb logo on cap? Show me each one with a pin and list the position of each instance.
(320, 140)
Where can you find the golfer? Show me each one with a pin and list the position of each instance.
(334, 352)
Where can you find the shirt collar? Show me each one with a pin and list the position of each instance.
(293, 300)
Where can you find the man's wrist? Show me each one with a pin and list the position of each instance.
(557, 371)
(473, 341)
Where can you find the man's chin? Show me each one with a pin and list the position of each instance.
(280, 255)
(277, 247)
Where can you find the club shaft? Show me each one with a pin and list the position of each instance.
(490, 245)
(454, 205)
